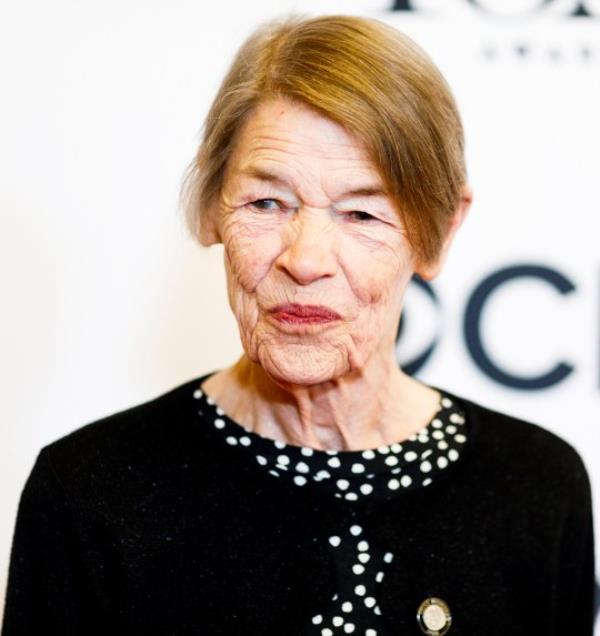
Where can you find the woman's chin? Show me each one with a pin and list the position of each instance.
(302, 365)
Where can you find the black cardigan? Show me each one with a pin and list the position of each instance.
(140, 523)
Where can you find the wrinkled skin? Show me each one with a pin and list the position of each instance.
(304, 218)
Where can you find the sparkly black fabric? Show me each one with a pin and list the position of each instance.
(378, 473)
(149, 521)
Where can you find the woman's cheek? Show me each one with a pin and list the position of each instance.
(250, 254)
(243, 303)
(376, 270)
(248, 260)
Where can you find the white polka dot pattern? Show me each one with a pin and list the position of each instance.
(380, 473)
(355, 606)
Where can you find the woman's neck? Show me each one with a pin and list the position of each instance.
(378, 406)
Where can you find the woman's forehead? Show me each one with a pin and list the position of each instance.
(282, 116)
(283, 141)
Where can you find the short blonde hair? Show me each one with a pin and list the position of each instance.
(372, 80)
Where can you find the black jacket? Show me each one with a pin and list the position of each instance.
(144, 522)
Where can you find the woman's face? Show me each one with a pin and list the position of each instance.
(316, 256)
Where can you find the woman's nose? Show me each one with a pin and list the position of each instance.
(309, 248)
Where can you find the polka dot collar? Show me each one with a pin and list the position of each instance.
(378, 473)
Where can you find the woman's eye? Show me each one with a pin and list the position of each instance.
(359, 215)
(266, 204)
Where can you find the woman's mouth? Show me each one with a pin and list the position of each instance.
(295, 314)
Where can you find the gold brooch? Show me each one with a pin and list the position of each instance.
(434, 616)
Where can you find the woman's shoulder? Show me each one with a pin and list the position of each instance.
(143, 433)
(515, 443)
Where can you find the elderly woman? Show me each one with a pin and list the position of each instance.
(313, 487)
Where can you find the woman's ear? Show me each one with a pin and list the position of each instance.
(431, 270)
(208, 226)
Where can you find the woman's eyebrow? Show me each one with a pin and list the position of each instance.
(260, 174)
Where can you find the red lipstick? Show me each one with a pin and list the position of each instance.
(296, 314)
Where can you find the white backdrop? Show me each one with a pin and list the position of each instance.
(108, 303)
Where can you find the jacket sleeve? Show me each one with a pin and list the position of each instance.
(46, 590)
(576, 584)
